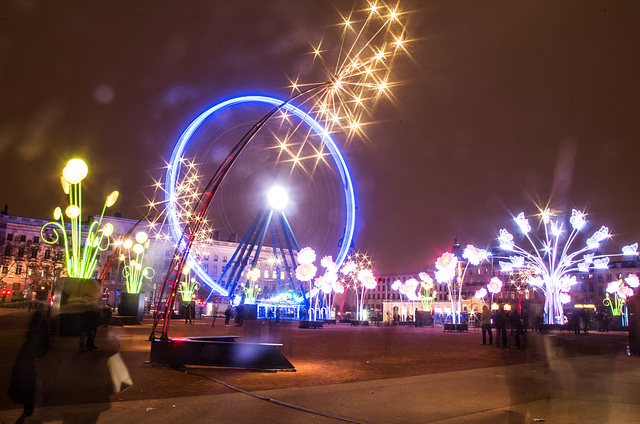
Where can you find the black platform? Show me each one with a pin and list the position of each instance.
(219, 352)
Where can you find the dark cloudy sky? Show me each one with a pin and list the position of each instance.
(503, 104)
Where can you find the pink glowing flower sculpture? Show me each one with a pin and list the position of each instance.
(632, 280)
(495, 285)
(306, 272)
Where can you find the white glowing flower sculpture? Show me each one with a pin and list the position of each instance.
(506, 240)
(613, 287)
(348, 267)
(523, 223)
(306, 272)
(577, 219)
(495, 285)
(327, 262)
(396, 285)
(565, 298)
(425, 277)
(480, 293)
(471, 254)
(306, 256)
(337, 287)
(409, 287)
(633, 280)
(583, 267)
(630, 250)
(365, 276)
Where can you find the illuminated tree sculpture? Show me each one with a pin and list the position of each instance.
(81, 256)
(251, 289)
(133, 270)
(551, 263)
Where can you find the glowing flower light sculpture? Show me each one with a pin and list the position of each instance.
(620, 293)
(133, 270)
(549, 264)
(252, 290)
(447, 265)
(358, 275)
(188, 287)
(81, 257)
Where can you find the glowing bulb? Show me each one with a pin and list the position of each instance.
(72, 211)
(121, 257)
(75, 171)
(278, 198)
(64, 184)
(138, 248)
(112, 198)
(107, 230)
(142, 237)
(57, 213)
(128, 243)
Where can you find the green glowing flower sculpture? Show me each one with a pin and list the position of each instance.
(81, 257)
(189, 286)
(133, 271)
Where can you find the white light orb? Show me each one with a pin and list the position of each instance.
(138, 248)
(72, 211)
(75, 171)
(141, 237)
(128, 243)
(107, 230)
(278, 198)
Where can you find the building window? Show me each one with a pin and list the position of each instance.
(215, 257)
(47, 254)
(215, 269)
(5, 269)
(9, 237)
(16, 286)
(224, 259)
(591, 286)
(7, 250)
(21, 252)
(608, 278)
(599, 277)
(34, 253)
(23, 238)
(18, 269)
(36, 239)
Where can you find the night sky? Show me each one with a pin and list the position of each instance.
(502, 105)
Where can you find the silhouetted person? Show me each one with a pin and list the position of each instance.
(227, 316)
(187, 314)
(486, 325)
(88, 329)
(516, 327)
(501, 326)
(22, 386)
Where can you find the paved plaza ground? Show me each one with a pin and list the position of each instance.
(344, 374)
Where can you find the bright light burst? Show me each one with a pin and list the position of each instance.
(548, 266)
(187, 192)
(358, 66)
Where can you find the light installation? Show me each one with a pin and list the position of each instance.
(450, 272)
(415, 290)
(81, 256)
(188, 286)
(361, 75)
(550, 262)
(132, 257)
(620, 292)
(173, 172)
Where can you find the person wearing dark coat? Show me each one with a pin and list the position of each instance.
(22, 385)
(486, 325)
(501, 326)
